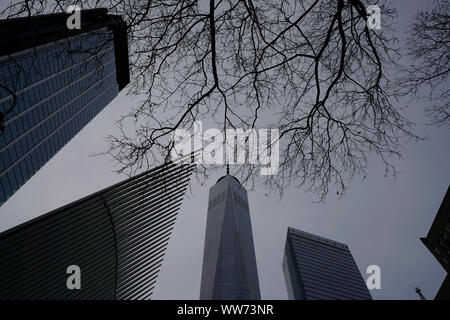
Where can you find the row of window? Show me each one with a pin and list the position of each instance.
(53, 107)
(12, 180)
(56, 101)
(18, 149)
(30, 96)
(47, 60)
(71, 51)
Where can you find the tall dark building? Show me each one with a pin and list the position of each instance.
(437, 241)
(117, 237)
(229, 262)
(53, 81)
(316, 268)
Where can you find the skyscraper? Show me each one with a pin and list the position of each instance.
(229, 262)
(116, 236)
(53, 81)
(317, 268)
(438, 242)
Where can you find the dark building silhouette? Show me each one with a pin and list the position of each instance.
(229, 262)
(437, 241)
(316, 268)
(116, 236)
(53, 81)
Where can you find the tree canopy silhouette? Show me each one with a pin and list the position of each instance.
(429, 48)
(314, 66)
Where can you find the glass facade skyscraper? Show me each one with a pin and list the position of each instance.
(229, 262)
(61, 79)
(316, 268)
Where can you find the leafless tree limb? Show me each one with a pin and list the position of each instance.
(429, 49)
(313, 64)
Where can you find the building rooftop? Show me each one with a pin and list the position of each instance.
(300, 233)
(23, 33)
(228, 176)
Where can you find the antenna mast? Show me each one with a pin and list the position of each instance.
(419, 292)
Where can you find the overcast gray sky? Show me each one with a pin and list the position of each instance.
(381, 219)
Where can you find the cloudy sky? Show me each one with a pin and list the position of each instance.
(381, 219)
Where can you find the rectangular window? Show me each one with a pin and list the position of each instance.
(29, 120)
(14, 130)
(6, 158)
(6, 136)
(29, 165)
(22, 170)
(29, 141)
(40, 156)
(46, 89)
(12, 181)
(34, 137)
(18, 148)
(12, 154)
(34, 161)
(24, 145)
(19, 126)
(2, 164)
(6, 188)
(45, 152)
(36, 117)
(39, 133)
(32, 73)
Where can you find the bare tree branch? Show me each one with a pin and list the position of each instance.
(429, 48)
(313, 65)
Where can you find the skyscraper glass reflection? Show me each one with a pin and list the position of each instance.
(229, 262)
(316, 268)
(61, 79)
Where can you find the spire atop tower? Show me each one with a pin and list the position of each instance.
(419, 292)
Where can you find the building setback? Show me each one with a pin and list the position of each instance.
(316, 268)
(53, 81)
(117, 237)
(437, 241)
(229, 263)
